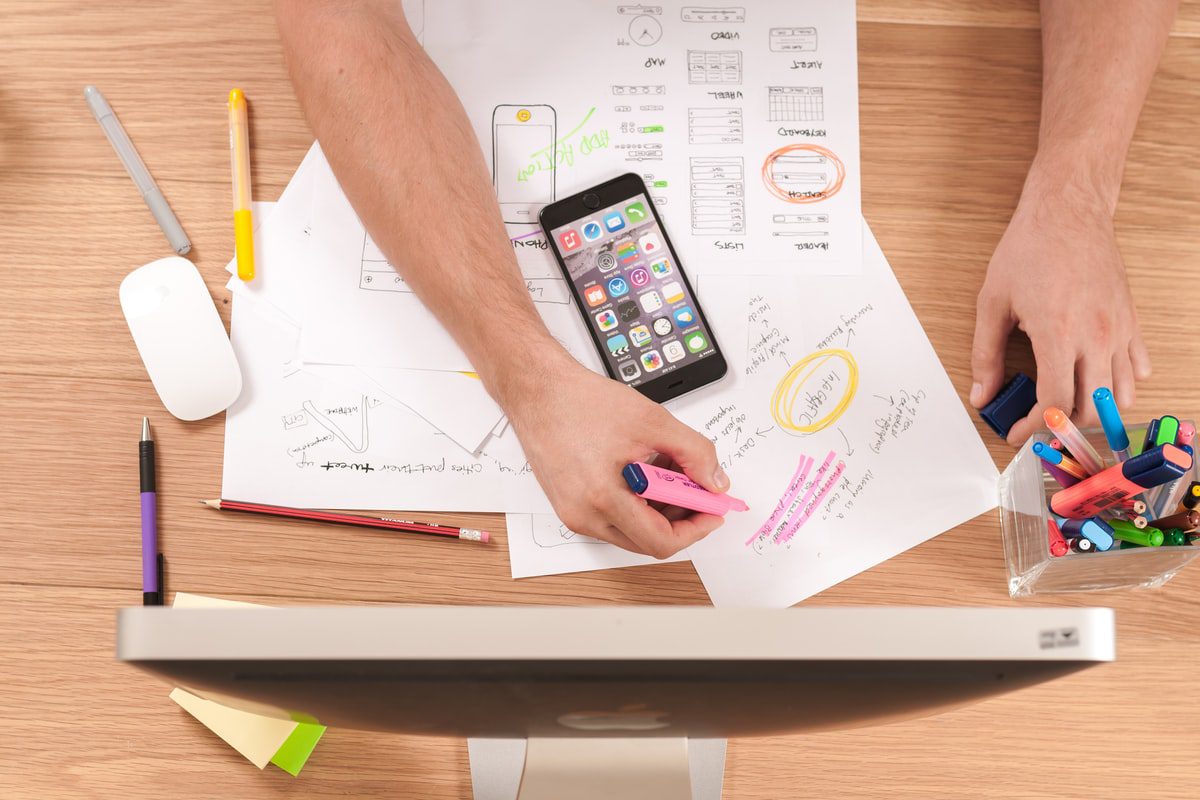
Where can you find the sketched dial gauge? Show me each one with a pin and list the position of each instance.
(645, 31)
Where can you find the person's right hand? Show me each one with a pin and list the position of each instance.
(579, 429)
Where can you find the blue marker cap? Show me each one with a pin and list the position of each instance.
(1047, 453)
(1011, 405)
(1157, 466)
(1110, 419)
(1095, 530)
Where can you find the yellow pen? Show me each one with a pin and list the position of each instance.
(239, 153)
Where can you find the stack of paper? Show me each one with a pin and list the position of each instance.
(836, 422)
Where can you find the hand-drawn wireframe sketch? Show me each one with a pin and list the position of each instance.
(644, 30)
(326, 422)
(713, 14)
(376, 273)
(793, 40)
(718, 189)
(624, 89)
(715, 126)
(647, 151)
(549, 532)
(815, 391)
(714, 67)
(803, 173)
(524, 159)
(795, 103)
(807, 225)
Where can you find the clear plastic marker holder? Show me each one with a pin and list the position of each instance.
(1025, 490)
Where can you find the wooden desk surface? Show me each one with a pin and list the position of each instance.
(949, 109)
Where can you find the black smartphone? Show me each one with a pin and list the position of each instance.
(635, 297)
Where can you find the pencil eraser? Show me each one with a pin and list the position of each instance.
(1012, 404)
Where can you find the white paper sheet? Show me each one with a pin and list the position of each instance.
(834, 488)
(538, 544)
(358, 310)
(293, 439)
(742, 119)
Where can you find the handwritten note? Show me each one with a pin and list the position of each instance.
(837, 425)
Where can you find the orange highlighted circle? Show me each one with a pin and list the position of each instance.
(831, 188)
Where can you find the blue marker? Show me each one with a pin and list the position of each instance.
(1110, 419)
(1095, 530)
(1047, 453)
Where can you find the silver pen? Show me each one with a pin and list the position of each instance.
(136, 168)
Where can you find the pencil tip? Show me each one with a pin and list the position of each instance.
(145, 429)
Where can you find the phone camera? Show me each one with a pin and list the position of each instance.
(591, 200)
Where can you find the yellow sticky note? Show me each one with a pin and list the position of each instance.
(185, 600)
(258, 737)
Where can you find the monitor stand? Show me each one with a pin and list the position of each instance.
(589, 769)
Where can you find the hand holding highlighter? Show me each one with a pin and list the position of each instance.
(676, 489)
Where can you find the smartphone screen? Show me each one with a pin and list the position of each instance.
(637, 302)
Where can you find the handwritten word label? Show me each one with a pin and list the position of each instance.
(899, 417)
(808, 133)
(717, 36)
(807, 64)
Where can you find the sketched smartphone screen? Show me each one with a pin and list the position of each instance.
(636, 301)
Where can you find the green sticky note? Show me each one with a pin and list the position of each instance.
(290, 757)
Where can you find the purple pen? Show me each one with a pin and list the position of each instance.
(152, 591)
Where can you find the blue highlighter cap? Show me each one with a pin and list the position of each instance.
(636, 479)
(1011, 405)
(1110, 419)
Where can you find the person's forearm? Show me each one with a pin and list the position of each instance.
(404, 152)
(1098, 58)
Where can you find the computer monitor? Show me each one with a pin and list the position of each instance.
(635, 683)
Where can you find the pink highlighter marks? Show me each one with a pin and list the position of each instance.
(677, 489)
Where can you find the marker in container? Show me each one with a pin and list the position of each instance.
(1065, 430)
(1095, 530)
(1159, 499)
(1186, 521)
(1060, 475)
(1187, 434)
(1110, 420)
(1191, 496)
(677, 489)
(1120, 481)
(1133, 506)
(1138, 521)
(1173, 537)
(1143, 537)
(1057, 458)
(1058, 545)
(1081, 545)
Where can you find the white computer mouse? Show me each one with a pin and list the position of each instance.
(180, 338)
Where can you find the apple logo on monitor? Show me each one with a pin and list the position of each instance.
(626, 718)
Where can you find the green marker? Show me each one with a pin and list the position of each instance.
(1174, 537)
(1126, 531)
(1168, 430)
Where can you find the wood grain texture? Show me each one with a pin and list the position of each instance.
(949, 107)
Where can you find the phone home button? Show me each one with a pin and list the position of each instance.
(591, 200)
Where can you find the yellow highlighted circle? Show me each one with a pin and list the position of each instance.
(523, 115)
(791, 385)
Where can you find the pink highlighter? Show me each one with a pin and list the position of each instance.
(677, 489)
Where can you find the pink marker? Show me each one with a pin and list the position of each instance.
(1187, 434)
(677, 489)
